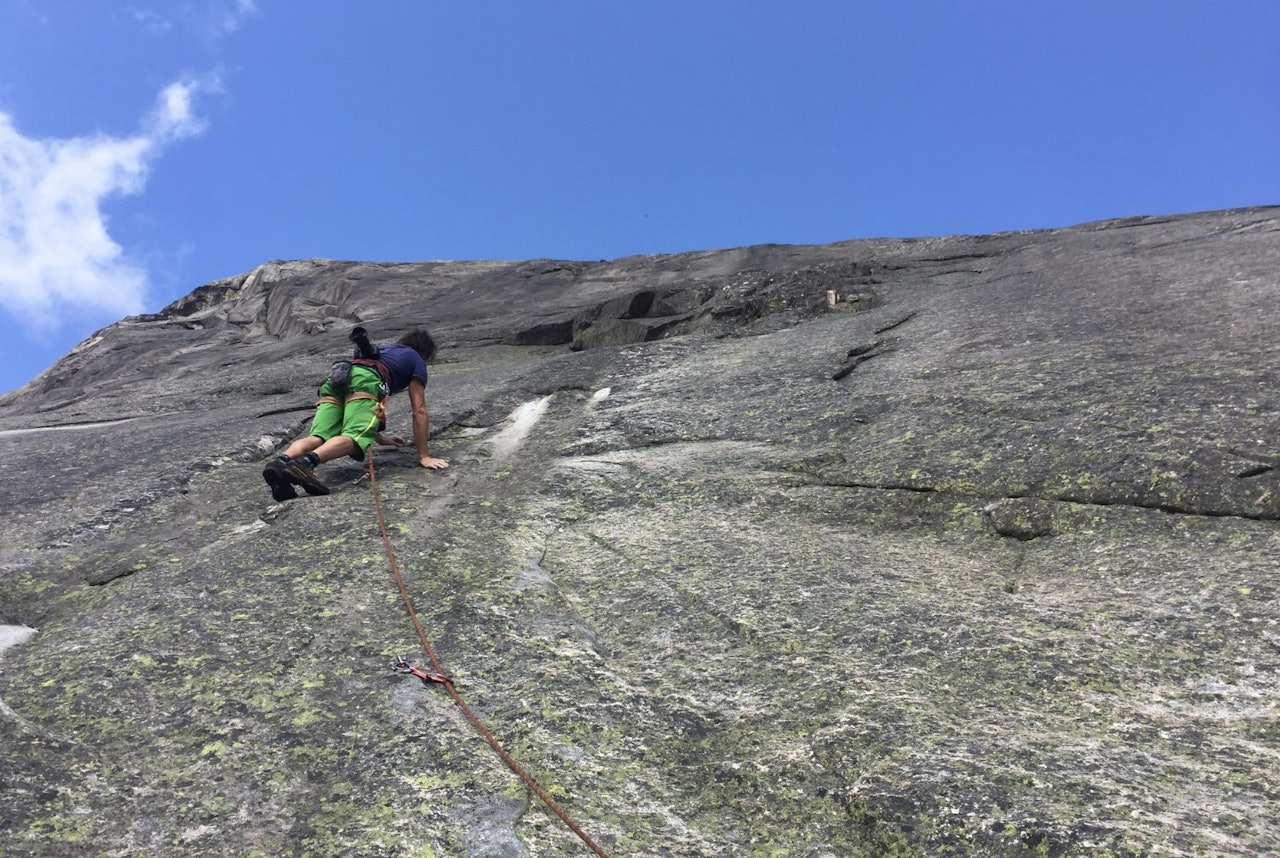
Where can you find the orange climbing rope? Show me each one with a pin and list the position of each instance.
(439, 676)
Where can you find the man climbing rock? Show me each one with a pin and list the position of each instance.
(350, 414)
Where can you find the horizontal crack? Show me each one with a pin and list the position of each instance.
(67, 427)
(1255, 472)
(1171, 509)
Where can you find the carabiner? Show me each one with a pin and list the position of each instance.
(427, 676)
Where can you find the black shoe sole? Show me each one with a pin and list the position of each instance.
(281, 488)
(301, 475)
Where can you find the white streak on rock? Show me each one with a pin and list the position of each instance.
(522, 420)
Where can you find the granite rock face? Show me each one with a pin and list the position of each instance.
(959, 545)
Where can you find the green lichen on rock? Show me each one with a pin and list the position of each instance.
(1000, 588)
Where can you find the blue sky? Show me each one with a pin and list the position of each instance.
(150, 146)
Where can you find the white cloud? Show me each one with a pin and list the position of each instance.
(225, 19)
(216, 20)
(152, 22)
(174, 115)
(56, 255)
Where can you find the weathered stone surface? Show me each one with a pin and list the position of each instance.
(979, 560)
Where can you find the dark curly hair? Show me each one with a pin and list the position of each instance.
(421, 342)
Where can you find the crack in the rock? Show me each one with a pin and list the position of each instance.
(1255, 472)
(902, 321)
(288, 410)
(1171, 509)
(955, 271)
(72, 425)
(859, 355)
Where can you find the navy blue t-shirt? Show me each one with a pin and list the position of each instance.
(405, 365)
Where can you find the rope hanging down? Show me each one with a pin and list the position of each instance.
(438, 675)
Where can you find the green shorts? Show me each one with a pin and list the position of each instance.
(358, 417)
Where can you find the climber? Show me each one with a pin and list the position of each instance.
(350, 414)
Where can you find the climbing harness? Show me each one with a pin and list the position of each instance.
(438, 676)
(359, 394)
(339, 378)
(339, 385)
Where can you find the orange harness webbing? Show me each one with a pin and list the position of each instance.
(359, 394)
(379, 411)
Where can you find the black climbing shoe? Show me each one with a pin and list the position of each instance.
(274, 474)
(302, 472)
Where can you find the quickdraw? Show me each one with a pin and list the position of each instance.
(428, 677)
